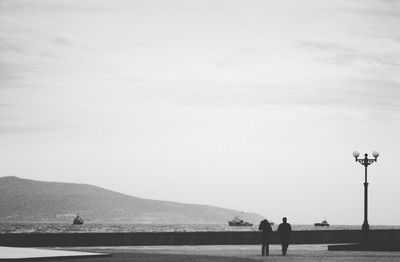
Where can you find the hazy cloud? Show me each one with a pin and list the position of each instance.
(135, 91)
(65, 39)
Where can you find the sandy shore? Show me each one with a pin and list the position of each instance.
(231, 253)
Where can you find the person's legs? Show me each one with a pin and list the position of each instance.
(263, 249)
(285, 246)
(267, 249)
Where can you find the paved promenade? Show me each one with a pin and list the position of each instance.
(220, 253)
(245, 253)
(17, 253)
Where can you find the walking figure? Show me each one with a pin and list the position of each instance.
(284, 231)
(266, 232)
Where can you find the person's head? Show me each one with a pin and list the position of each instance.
(284, 219)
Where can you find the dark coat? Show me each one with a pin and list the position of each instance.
(266, 230)
(284, 231)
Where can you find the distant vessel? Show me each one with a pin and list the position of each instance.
(271, 223)
(78, 220)
(324, 223)
(237, 222)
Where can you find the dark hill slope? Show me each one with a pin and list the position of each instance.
(24, 200)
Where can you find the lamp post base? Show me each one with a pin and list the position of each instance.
(365, 233)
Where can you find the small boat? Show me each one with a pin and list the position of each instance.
(78, 220)
(237, 222)
(324, 223)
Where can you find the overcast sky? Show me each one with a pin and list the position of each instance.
(252, 105)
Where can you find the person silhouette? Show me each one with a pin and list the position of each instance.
(266, 232)
(284, 231)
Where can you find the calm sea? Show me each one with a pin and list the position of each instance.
(69, 228)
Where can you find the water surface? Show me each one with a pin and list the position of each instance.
(125, 228)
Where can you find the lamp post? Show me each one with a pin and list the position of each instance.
(366, 162)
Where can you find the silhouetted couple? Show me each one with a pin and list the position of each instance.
(284, 231)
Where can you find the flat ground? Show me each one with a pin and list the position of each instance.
(230, 253)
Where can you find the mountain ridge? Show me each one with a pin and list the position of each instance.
(26, 200)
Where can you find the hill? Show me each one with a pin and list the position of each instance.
(24, 200)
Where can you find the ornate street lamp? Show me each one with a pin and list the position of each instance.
(366, 162)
